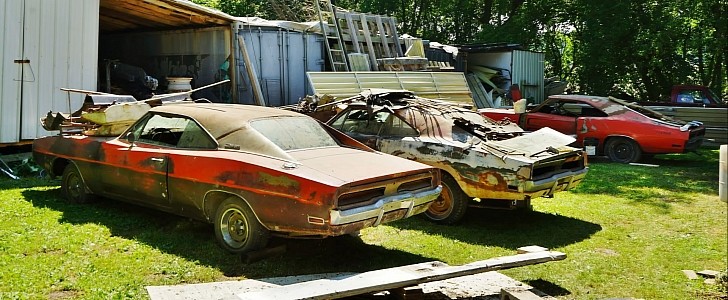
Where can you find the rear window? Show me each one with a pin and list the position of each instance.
(294, 133)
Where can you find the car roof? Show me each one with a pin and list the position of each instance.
(436, 118)
(219, 118)
(614, 106)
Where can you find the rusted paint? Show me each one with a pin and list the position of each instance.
(261, 181)
(178, 180)
(465, 145)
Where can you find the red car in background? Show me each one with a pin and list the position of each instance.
(608, 126)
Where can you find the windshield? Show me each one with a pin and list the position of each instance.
(294, 133)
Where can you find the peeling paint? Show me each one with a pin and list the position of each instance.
(461, 143)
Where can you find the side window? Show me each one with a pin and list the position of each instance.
(360, 121)
(194, 137)
(587, 110)
(172, 131)
(394, 126)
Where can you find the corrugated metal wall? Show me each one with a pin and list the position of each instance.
(46, 45)
(450, 86)
(528, 72)
(196, 53)
(281, 59)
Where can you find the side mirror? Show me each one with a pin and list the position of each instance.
(131, 138)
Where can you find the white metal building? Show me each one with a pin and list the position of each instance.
(52, 44)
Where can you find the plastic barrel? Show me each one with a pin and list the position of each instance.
(723, 174)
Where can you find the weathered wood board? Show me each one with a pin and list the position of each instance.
(386, 279)
(483, 286)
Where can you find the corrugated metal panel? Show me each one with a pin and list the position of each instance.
(11, 34)
(528, 72)
(58, 42)
(196, 53)
(281, 56)
(450, 86)
(67, 27)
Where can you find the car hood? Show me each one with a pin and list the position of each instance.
(541, 144)
(345, 165)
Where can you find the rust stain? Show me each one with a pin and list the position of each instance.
(426, 150)
(261, 180)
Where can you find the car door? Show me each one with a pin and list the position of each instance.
(138, 163)
(190, 165)
(396, 137)
(362, 125)
(557, 115)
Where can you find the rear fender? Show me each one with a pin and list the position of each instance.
(214, 198)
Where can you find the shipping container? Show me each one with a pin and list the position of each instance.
(280, 57)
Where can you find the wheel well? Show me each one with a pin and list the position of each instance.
(59, 164)
(213, 199)
(445, 174)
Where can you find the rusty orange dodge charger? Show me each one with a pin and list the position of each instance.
(251, 171)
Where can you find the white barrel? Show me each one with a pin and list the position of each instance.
(178, 84)
(723, 174)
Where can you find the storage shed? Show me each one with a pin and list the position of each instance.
(49, 45)
(518, 66)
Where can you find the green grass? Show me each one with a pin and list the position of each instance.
(627, 232)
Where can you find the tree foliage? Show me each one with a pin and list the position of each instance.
(640, 47)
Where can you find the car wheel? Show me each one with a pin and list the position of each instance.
(237, 229)
(622, 150)
(450, 206)
(73, 187)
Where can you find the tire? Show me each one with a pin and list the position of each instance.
(450, 206)
(237, 230)
(622, 150)
(73, 187)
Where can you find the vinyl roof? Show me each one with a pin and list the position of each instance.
(141, 15)
(222, 118)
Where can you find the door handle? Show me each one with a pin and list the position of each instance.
(157, 159)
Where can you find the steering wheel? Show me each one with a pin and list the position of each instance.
(560, 110)
(158, 130)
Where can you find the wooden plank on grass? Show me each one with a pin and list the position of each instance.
(393, 278)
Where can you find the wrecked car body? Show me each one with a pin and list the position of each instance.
(251, 171)
(478, 157)
(608, 126)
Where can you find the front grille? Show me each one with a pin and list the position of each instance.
(547, 169)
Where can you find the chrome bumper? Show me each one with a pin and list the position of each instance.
(556, 183)
(415, 203)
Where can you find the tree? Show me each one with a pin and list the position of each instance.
(639, 47)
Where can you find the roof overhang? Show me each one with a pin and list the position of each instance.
(145, 15)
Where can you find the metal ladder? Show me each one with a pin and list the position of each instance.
(332, 35)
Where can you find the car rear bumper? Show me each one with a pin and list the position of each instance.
(385, 209)
(694, 143)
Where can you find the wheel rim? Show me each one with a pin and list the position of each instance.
(623, 151)
(443, 205)
(234, 228)
(74, 186)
